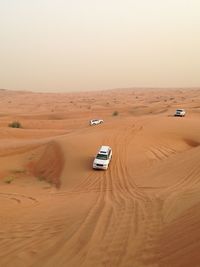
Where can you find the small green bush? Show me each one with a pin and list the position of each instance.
(115, 113)
(15, 124)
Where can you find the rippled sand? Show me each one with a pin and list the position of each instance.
(144, 211)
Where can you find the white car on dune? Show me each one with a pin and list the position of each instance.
(95, 122)
(180, 113)
(103, 158)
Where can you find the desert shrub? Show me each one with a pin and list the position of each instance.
(8, 179)
(18, 171)
(115, 113)
(41, 178)
(15, 124)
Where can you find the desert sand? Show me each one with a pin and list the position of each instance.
(144, 211)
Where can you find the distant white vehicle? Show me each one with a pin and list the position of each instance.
(180, 113)
(96, 121)
(103, 158)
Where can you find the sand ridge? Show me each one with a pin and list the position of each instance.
(57, 211)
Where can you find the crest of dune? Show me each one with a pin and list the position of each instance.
(50, 164)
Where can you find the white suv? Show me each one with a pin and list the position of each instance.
(96, 121)
(103, 158)
(180, 112)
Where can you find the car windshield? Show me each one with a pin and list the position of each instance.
(101, 156)
(179, 110)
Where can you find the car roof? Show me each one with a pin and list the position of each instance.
(104, 149)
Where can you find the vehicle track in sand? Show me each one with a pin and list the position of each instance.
(160, 152)
(187, 185)
(121, 226)
(113, 219)
(135, 206)
(19, 198)
(105, 230)
(121, 205)
(23, 240)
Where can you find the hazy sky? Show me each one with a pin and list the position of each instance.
(49, 45)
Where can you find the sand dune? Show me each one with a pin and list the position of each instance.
(142, 212)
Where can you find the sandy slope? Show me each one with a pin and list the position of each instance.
(142, 212)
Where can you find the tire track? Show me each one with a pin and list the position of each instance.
(160, 152)
(123, 180)
(188, 180)
(19, 198)
(124, 199)
(85, 231)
